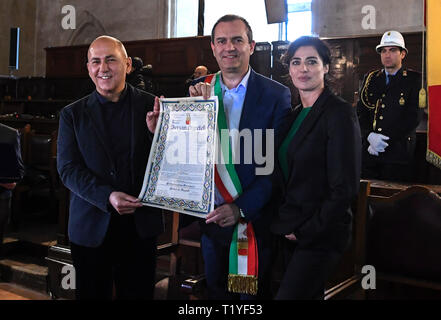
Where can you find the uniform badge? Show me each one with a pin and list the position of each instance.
(401, 101)
(404, 73)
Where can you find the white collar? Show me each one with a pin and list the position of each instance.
(243, 83)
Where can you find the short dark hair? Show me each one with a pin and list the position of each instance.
(137, 63)
(321, 47)
(233, 17)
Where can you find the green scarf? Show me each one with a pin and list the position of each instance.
(283, 158)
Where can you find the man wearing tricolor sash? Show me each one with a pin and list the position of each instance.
(235, 236)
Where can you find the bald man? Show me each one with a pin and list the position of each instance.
(103, 148)
(200, 71)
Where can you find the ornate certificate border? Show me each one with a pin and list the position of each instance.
(147, 195)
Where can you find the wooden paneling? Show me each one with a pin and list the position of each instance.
(66, 62)
(342, 70)
(177, 58)
(354, 57)
(169, 57)
(173, 61)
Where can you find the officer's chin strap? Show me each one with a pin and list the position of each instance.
(422, 97)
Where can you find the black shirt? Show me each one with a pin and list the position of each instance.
(118, 124)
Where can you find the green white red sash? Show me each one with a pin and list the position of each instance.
(243, 261)
(226, 179)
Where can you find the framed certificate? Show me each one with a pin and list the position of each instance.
(180, 171)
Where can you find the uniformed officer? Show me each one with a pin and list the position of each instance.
(389, 114)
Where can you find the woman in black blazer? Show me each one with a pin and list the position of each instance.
(318, 174)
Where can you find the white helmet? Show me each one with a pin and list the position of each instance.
(391, 39)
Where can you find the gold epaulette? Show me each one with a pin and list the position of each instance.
(364, 91)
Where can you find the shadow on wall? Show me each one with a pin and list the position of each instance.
(89, 29)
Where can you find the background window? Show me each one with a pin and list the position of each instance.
(299, 19)
(253, 11)
(185, 18)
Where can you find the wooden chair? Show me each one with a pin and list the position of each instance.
(357, 251)
(169, 248)
(41, 177)
(21, 187)
(184, 266)
(42, 156)
(400, 235)
(24, 141)
(190, 261)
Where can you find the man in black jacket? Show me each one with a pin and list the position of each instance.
(103, 148)
(135, 77)
(11, 171)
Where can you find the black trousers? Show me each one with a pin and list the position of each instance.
(123, 259)
(306, 272)
(5, 212)
(386, 171)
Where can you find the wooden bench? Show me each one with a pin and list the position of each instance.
(398, 231)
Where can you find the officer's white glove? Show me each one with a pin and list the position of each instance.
(377, 141)
(372, 151)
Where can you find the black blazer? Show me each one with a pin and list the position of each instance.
(324, 160)
(88, 171)
(266, 105)
(11, 164)
(397, 117)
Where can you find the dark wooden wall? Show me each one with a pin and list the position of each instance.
(173, 61)
(353, 57)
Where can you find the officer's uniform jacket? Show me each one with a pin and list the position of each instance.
(391, 110)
